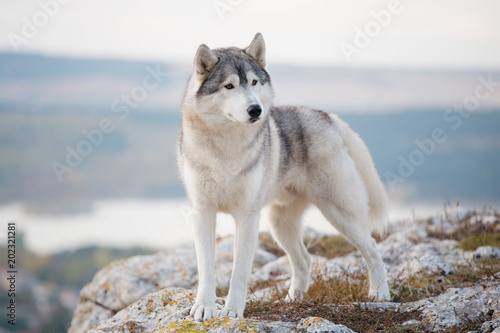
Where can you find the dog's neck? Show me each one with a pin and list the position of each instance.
(223, 137)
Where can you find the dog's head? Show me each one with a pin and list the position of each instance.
(232, 83)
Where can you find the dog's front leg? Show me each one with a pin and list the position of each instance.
(204, 241)
(245, 242)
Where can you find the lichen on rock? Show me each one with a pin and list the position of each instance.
(154, 293)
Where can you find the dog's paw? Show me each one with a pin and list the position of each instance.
(381, 295)
(203, 312)
(294, 295)
(228, 312)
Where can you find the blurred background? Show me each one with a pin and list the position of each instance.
(90, 95)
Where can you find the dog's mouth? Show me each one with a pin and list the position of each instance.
(253, 119)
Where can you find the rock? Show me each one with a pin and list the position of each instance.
(406, 255)
(456, 304)
(125, 281)
(146, 293)
(320, 325)
(379, 305)
(88, 314)
(486, 252)
(489, 326)
(496, 314)
(411, 323)
(279, 267)
(167, 311)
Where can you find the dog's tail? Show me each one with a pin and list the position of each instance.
(378, 199)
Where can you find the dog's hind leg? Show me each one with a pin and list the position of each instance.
(340, 194)
(286, 227)
(360, 237)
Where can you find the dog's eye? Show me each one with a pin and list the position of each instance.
(254, 82)
(229, 86)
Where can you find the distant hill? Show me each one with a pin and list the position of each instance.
(39, 83)
(137, 159)
(466, 166)
(49, 107)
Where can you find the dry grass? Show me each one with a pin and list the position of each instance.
(329, 246)
(356, 317)
(345, 289)
(473, 242)
(417, 287)
(221, 291)
(472, 230)
(340, 299)
(325, 246)
(269, 244)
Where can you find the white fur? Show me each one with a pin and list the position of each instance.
(218, 142)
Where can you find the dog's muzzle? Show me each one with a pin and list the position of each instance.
(254, 111)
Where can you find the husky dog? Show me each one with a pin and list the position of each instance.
(238, 153)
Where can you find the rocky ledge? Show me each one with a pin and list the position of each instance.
(154, 293)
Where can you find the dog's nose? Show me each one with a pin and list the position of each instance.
(254, 111)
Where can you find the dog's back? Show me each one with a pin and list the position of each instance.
(237, 152)
(308, 138)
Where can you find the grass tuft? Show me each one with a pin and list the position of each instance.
(325, 246)
(473, 242)
(341, 299)
(356, 317)
(345, 289)
(269, 244)
(474, 228)
(329, 246)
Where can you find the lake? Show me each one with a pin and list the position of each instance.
(155, 224)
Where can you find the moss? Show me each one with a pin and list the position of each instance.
(167, 301)
(183, 326)
(245, 325)
(187, 326)
(330, 246)
(326, 246)
(269, 244)
(129, 326)
(473, 242)
(151, 305)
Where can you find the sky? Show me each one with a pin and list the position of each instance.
(455, 34)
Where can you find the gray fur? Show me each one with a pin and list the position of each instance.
(231, 61)
(286, 158)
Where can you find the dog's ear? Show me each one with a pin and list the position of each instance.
(257, 50)
(204, 61)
